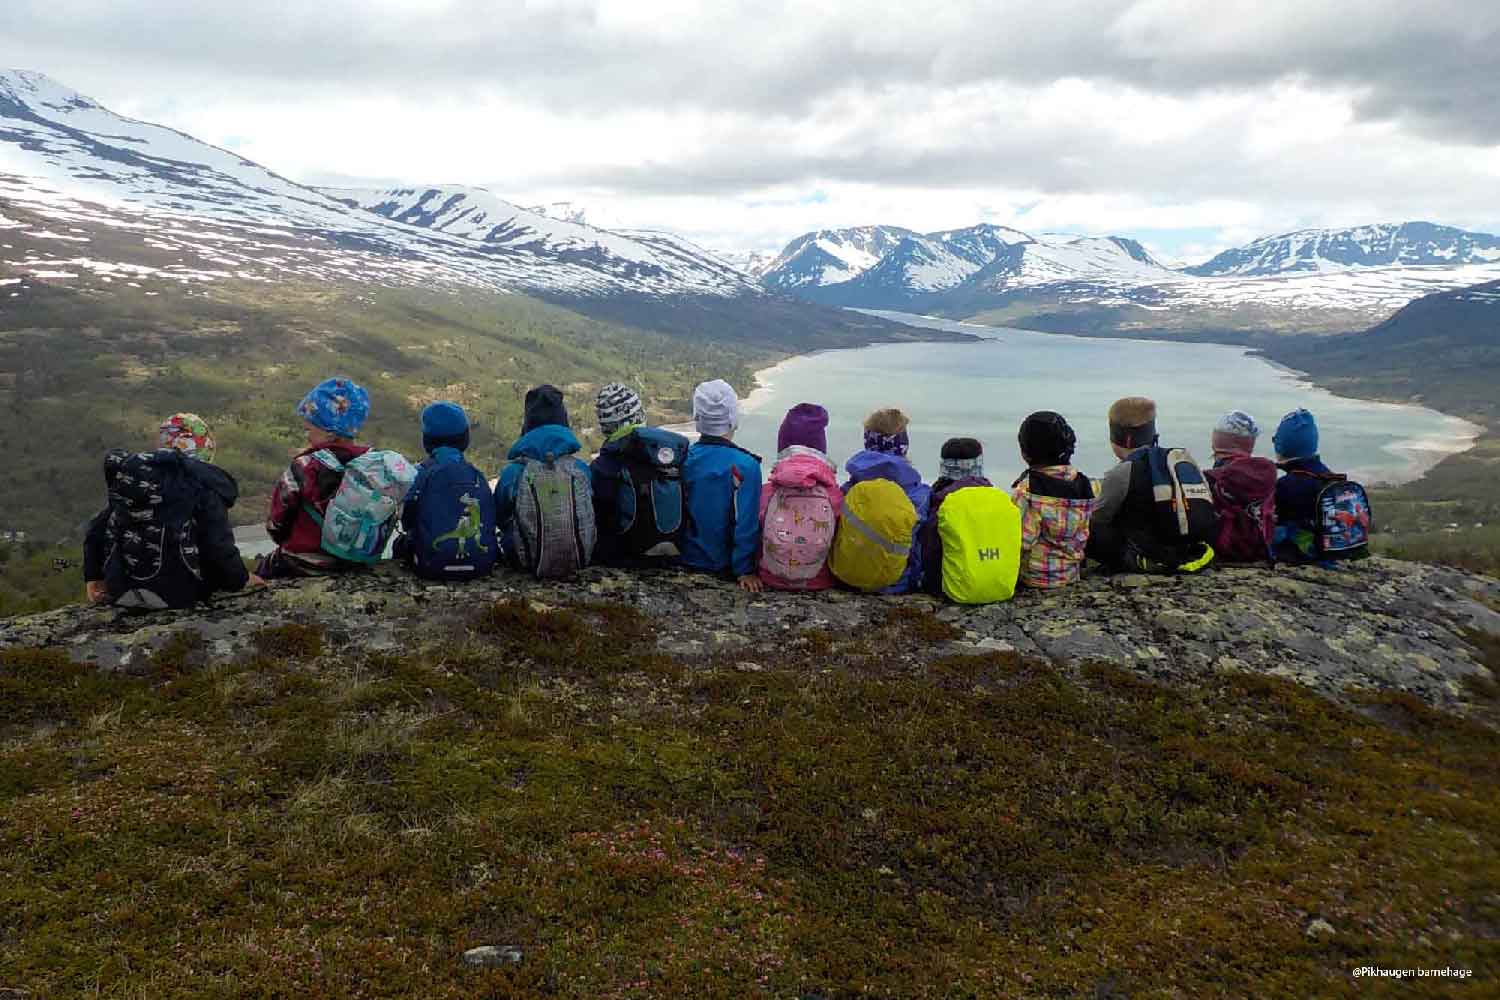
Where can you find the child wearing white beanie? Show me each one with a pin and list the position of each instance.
(716, 409)
(721, 484)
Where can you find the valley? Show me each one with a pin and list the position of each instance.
(142, 271)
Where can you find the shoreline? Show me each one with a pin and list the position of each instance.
(1420, 454)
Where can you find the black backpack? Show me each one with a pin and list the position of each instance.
(651, 513)
(1182, 502)
(153, 560)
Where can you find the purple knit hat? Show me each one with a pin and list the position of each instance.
(806, 424)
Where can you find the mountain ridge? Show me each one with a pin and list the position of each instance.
(1323, 281)
(69, 159)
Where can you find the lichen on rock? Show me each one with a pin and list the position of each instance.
(1375, 625)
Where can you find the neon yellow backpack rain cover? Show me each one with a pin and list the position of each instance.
(981, 533)
(874, 536)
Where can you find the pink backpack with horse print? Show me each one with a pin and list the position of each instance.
(800, 512)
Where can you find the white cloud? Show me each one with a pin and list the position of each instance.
(1163, 116)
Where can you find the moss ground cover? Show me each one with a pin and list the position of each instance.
(818, 822)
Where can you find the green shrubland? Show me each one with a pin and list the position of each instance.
(305, 821)
(86, 369)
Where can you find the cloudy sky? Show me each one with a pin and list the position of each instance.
(1191, 124)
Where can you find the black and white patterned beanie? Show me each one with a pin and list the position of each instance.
(618, 405)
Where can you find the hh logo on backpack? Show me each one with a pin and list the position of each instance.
(979, 529)
(455, 524)
(554, 517)
(359, 519)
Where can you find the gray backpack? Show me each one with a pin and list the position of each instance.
(554, 517)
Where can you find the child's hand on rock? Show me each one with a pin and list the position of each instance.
(751, 583)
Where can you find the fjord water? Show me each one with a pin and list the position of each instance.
(983, 388)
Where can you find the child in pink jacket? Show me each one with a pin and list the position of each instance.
(800, 506)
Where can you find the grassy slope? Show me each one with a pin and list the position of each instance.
(306, 824)
(82, 370)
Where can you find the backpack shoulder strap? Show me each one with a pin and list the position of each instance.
(329, 459)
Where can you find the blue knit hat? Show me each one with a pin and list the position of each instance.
(444, 425)
(336, 405)
(1296, 436)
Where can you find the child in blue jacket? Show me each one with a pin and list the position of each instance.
(722, 483)
(544, 432)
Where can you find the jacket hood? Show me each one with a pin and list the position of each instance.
(800, 466)
(548, 439)
(944, 486)
(211, 477)
(1247, 470)
(1310, 464)
(879, 465)
(203, 474)
(445, 456)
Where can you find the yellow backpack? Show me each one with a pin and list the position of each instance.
(980, 530)
(874, 536)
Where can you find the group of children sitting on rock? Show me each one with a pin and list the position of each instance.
(652, 498)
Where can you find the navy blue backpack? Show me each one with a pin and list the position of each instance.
(1183, 502)
(455, 525)
(652, 514)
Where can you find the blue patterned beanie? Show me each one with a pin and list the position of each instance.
(337, 405)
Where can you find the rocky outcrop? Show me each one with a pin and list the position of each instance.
(1379, 624)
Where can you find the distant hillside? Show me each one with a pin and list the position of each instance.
(1409, 243)
(1443, 348)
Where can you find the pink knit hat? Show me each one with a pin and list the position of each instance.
(1235, 434)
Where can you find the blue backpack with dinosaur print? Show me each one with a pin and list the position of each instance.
(455, 525)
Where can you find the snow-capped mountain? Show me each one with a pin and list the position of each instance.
(752, 262)
(1323, 280)
(829, 256)
(476, 214)
(1408, 244)
(983, 258)
(88, 192)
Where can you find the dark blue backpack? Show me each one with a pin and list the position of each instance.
(1181, 499)
(1343, 519)
(455, 525)
(651, 514)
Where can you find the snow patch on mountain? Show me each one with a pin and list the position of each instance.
(71, 170)
(1408, 244)
(830, 256)
(1370, 270)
